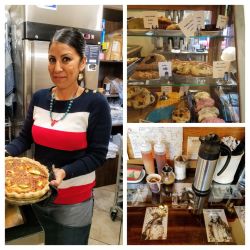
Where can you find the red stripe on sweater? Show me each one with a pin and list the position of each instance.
(57, 139)
(74, 195)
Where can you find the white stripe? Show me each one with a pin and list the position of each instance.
(73, 122)
(78, 181)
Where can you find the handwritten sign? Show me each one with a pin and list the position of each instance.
(150, 19)
(219, 68)
(193, 145)
(166, 89)
(199, 19)
(188, 26)
(221, 22)
(165, 69)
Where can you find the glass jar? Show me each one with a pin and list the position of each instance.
(167, 175)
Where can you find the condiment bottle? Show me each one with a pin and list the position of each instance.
(160, 155)
(147, 157)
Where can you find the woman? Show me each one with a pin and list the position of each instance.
(70, 127)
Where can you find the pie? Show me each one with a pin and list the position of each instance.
(25, 178)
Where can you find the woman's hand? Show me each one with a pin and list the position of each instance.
(59, 176)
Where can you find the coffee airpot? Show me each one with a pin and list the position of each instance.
(209, 153)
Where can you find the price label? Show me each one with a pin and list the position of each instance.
(188, 26)
(221, 22)
(200, 19)
(219, 68)
(150, 19)
(165, 69)
(166, 89)
(193, 145)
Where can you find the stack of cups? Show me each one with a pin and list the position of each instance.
(180, 165)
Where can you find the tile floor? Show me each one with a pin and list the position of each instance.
(104, 231)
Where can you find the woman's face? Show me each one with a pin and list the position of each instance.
(64, 65)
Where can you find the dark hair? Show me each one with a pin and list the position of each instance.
(72, 37)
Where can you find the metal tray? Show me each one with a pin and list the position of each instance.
(189, 79)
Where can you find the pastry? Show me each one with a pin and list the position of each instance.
(142, 100)
(163, 22)
(213, 120)
(135, 23)
(173, 98)
(25, 178)
(144, 75)
(133, 91)
(173, 26)
(201, 95)
(205, 102)
(150, 62)
(181, 115)
(201, 69)
(208, 112)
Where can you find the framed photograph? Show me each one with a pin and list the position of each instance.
(155, 223)
(240, 211)
(217, 227)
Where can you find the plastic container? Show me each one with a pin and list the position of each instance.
(147, 158)
(160, 156)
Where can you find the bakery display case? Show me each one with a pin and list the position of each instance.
(188, 68)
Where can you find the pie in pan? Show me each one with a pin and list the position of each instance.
(25, 178)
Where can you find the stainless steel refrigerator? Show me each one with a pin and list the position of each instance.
(32, 27)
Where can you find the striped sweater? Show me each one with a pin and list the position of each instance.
(78, 143)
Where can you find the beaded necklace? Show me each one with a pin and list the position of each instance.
(54, 121)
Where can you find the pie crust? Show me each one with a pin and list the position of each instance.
(25, 178)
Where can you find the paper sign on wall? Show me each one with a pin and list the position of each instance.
(219, 68)
(221, 22)
(150, 19)
(165, 69)
(188, 26)
(193, 145)
(200, 19)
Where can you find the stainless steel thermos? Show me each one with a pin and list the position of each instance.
(208, 155)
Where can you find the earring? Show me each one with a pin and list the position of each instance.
(80, 76)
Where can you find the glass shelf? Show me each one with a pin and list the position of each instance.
(158, 83)
(176, 33)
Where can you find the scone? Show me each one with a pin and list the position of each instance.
(181, 115)
(142, 100)
(201, 95)
(144, 75)
(201, 69)
(133, 91)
